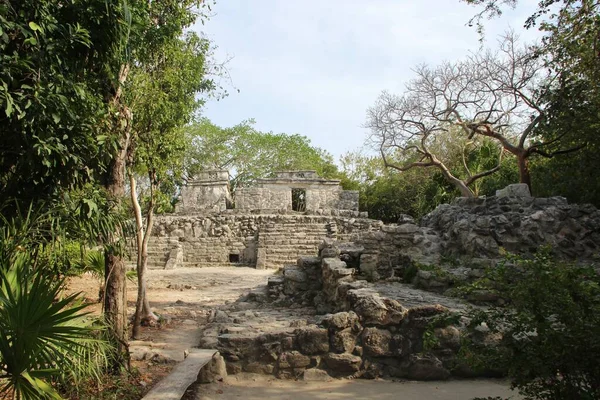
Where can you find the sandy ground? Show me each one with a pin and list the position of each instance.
(184, 298)
(258, 387)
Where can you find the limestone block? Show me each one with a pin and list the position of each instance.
(343, 364)
(426, 368)
(343, 341)
(376, 342)
(312, 340)
(293, 359)
(214, 371)
(376, 310)
(315, 375)
(341, 320)
(516, 190)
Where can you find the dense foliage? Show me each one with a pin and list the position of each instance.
(44, 336)
(249, 154)
(55, 65)
(549, 327)
(569, 48)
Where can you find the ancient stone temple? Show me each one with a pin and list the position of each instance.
(208, 191)
(297, 191)
(265, 225)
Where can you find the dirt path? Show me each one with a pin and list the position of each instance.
(259, 387)
(183, 298)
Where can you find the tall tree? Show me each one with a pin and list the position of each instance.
(164, 91)
(501, 95)
(407, 130)
(55, 69)
(569, 48)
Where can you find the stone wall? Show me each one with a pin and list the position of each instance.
(276, 193)
(208, 191)
(471, 234)
(260, 240)
(260, 198)
(370, 331)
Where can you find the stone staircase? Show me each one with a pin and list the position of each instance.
(282, 244)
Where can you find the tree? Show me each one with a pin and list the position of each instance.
(59, 70)
(164, 92)
(405, 129)
(501, 95)
(155, 25)
(250, 154)
(571, 37)
(55, 62)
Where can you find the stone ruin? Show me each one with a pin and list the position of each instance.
(265, 226)
(345, 305)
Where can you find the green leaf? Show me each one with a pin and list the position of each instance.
(35, 27)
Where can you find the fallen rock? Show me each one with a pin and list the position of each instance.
(343, 364)
(315, 375)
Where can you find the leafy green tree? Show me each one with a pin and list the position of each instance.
(164, 90)
(250, 154)
(155, 26)
(54, 68)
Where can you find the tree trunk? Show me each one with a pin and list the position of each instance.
(524, 174)
(460, 185)
(115, 292)
(142, 306)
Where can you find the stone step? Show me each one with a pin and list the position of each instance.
(174, 386)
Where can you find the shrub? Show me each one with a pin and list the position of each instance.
(549, 327)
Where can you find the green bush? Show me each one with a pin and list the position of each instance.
(549, 327)
(45, 337)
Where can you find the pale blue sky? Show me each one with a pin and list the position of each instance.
(313, 67)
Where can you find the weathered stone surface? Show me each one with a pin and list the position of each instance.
(343, 341)
(315, 375)
(214, 371)
(330, 252)
(449, 337)
(375, 310)
(516, 189)
(293, 359)
(426, 368)
(312, 340)
(341, 320)
(376, 342)
(343, 364)
(259, 368)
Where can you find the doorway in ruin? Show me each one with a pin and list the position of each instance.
(298, 199)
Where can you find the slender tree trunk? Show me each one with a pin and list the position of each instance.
(142, 306)
(460, 185)
(524, 174)
(115, 292)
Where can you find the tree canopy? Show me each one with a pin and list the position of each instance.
(249, 154)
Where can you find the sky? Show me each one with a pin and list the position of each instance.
(314, 67)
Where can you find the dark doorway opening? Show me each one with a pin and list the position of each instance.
(298, 199)
(234, 258)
